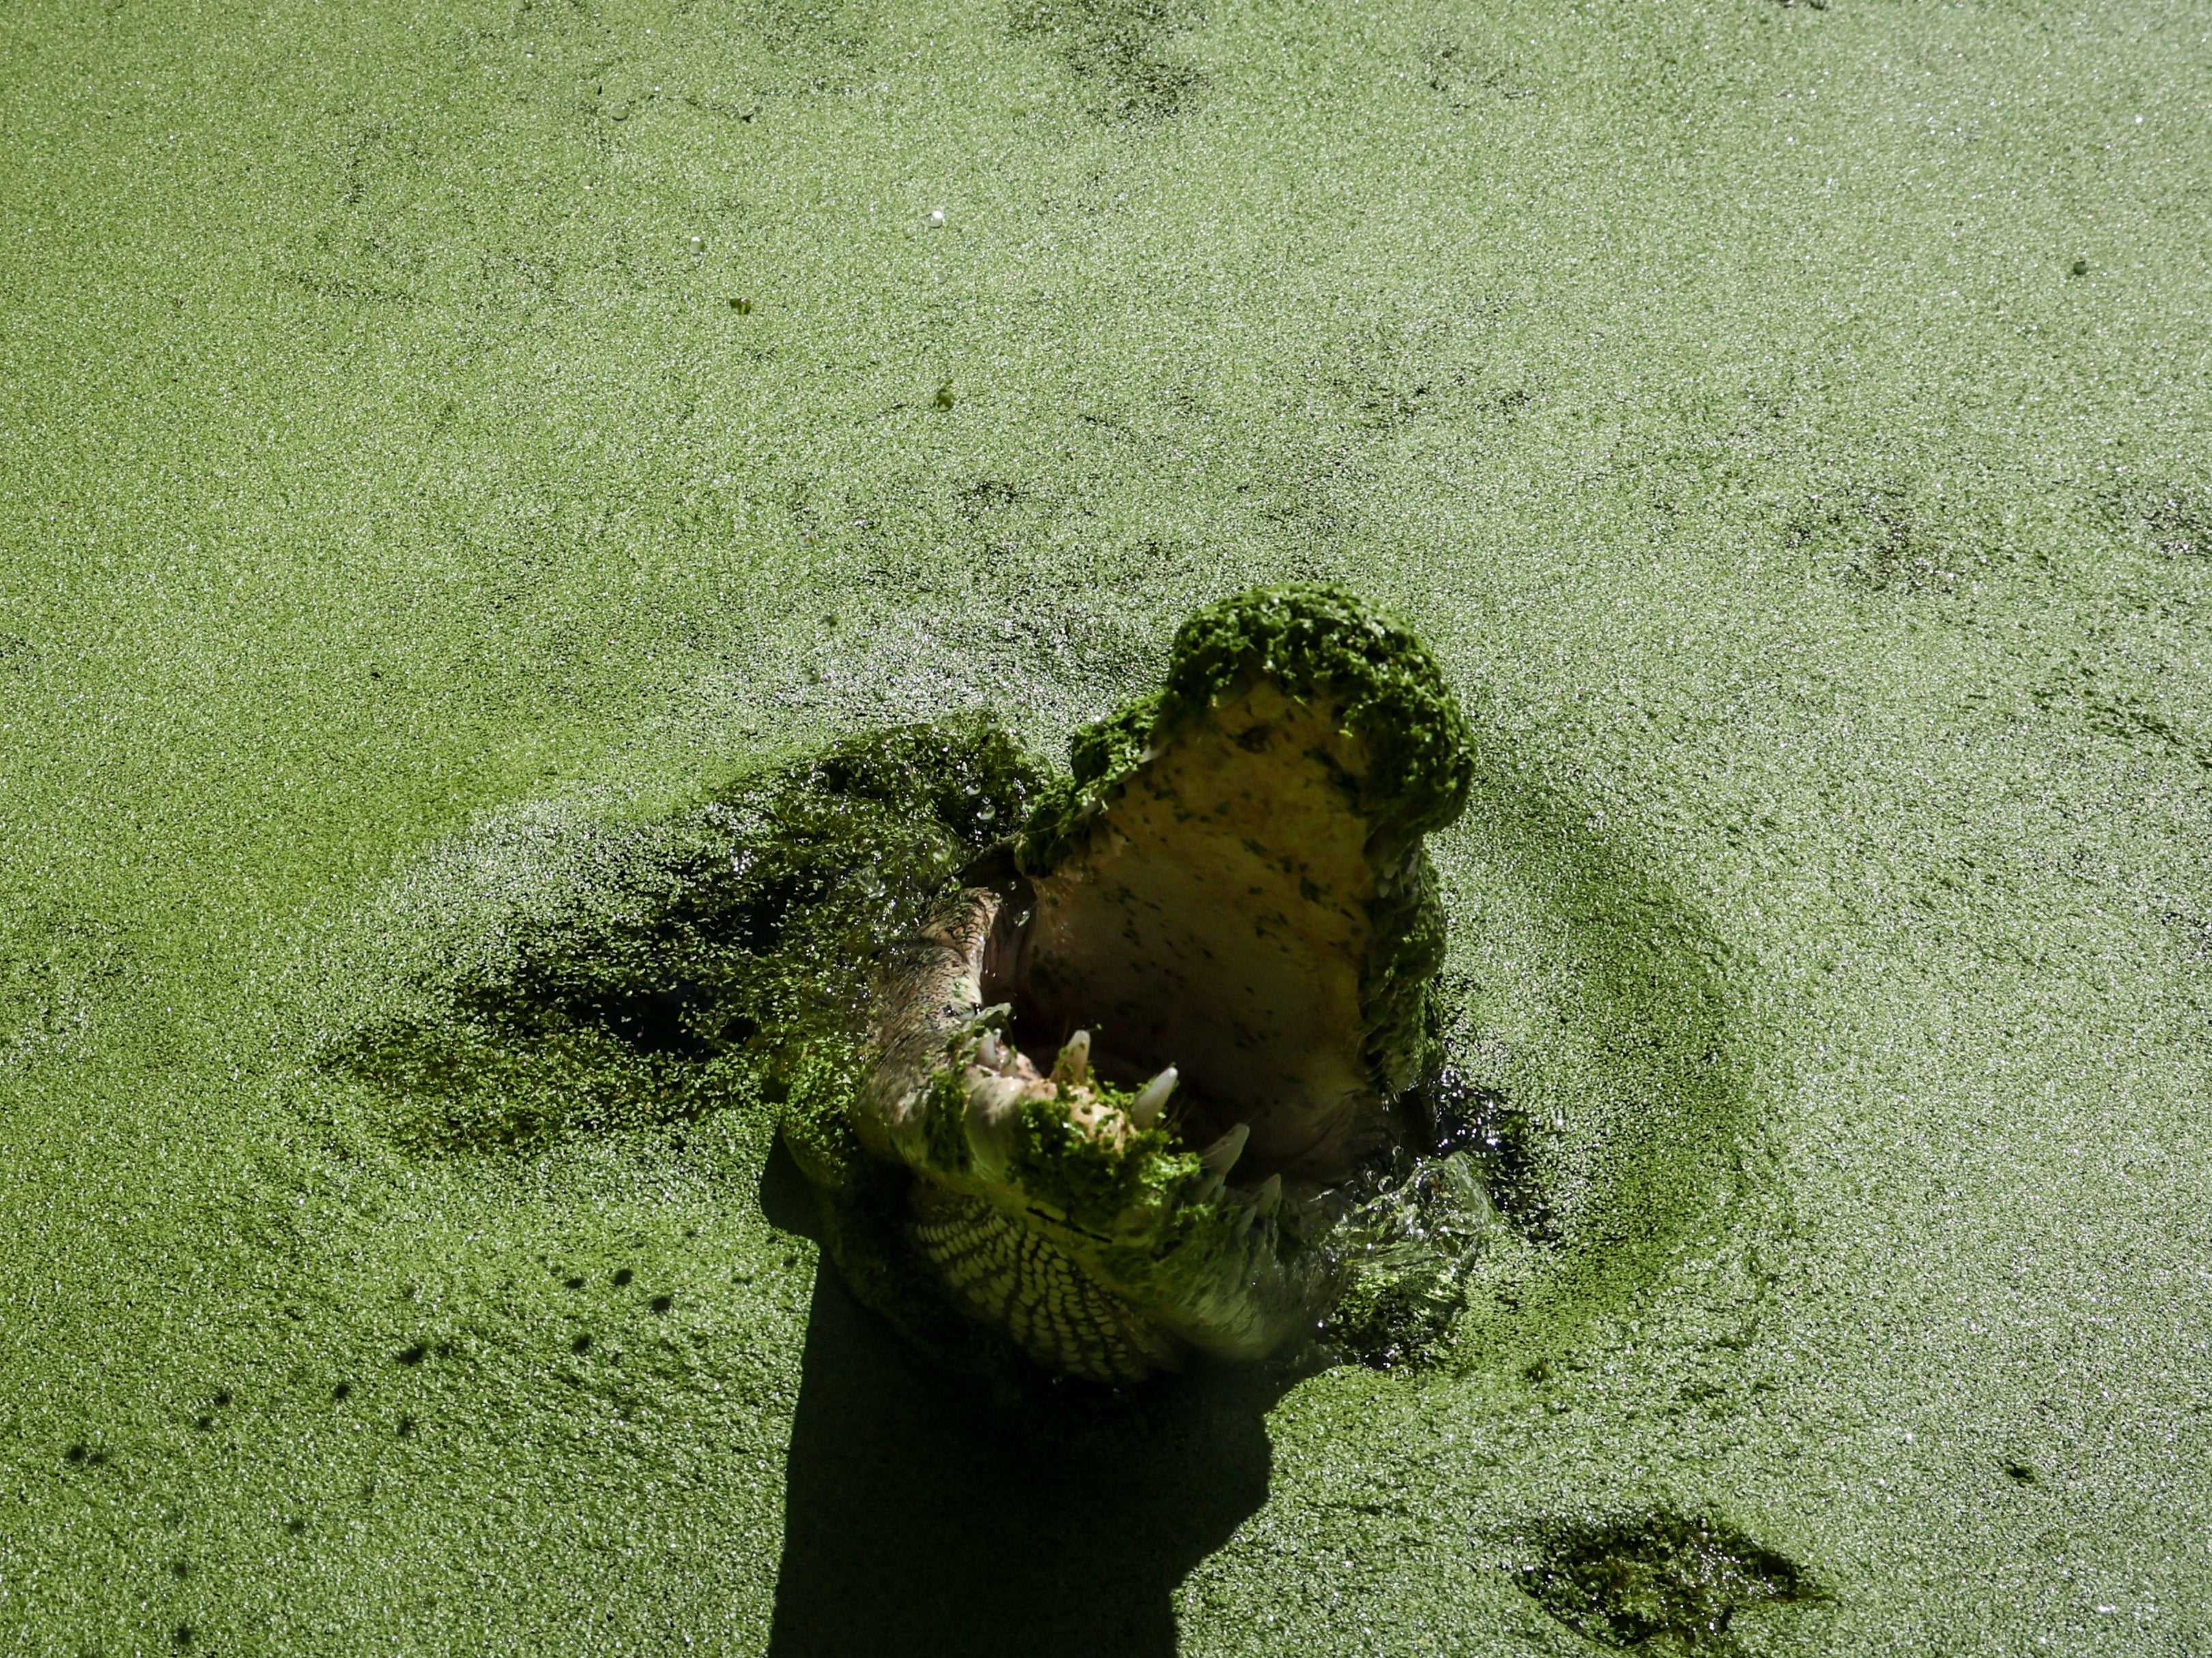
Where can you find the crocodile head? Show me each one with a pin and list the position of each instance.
(1132, 1063)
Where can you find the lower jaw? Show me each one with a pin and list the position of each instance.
(1000, 1272)
(1195, 1264)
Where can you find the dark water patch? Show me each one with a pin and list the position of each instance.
(2117, 699)
(1117, 51)
(2172, 518)
(985, 496)
(666, 972)
(1873, 536)
(58, 966)
(1484, 1123)
(1463, 74)
(1383, 408)
(352, 290)
(1661, 1581)
(2194, 931)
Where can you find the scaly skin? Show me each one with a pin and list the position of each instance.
(1231, 893)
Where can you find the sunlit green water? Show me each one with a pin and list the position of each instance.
(387, 458)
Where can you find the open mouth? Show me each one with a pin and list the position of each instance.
(1169, 1069)
(1134, 1063)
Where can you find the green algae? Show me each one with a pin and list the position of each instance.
(1662, 1583)
(717, 959)
(380, 455)
(1095, 1184)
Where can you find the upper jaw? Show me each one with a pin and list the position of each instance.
(1216, 913)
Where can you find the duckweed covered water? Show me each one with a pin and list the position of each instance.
(1786, 425)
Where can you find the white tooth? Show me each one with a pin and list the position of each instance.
(1073, 1065)
(1244, 1221)
(1269, 1194)
(987, 1053)
(1145, 1109)
(1221, 1156)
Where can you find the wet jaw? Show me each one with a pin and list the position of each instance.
(1057, 1205)
(1001, 1272)
(1083, 1154)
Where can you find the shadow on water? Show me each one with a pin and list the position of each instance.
(920, 1515)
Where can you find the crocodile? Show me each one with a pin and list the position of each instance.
(1131, 1060)
(1089, 1072)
